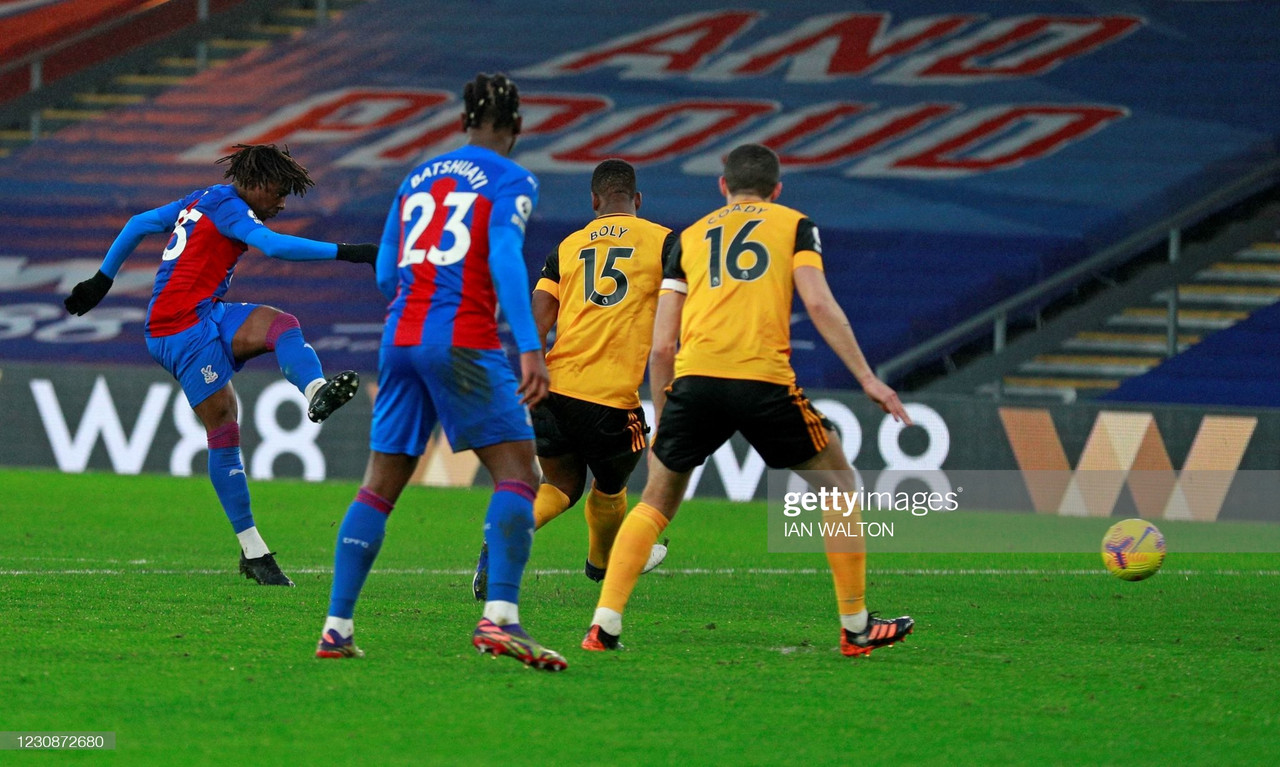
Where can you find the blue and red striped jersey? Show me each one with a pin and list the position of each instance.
(198, 263)
(450, 227)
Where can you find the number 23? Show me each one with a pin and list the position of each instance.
(457, 205)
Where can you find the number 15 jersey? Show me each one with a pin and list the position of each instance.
(735, 265)
(606, 277)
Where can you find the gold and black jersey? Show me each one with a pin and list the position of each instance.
(735, 265)
(606, 277)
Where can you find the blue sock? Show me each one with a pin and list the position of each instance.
(226, 472)
(359, 540)
(508, 531)
(298, 361)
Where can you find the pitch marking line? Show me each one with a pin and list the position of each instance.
(664, 571)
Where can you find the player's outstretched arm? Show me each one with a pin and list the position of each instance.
(86, 295)
(831, 322)
(662, 356)
(286, 247)
(234, 219)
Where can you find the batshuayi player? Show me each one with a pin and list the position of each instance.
(728, 286)
(202, 340)
(599, 288)
(452, 251)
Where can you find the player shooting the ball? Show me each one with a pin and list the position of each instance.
(202, 340)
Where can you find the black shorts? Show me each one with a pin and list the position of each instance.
(702, 413)
(565, 425)
(609, 440)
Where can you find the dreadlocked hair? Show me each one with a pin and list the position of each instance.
(491, 99)
(261, 165)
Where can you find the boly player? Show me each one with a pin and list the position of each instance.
(202, 341)
(598, 287)
(727, 297)
(451, 253)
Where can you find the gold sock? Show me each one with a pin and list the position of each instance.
(549, 504)
(604, 516)
(639, 531)
(849, 571)
(848, 560)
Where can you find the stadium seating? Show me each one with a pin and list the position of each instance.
(1236, 366)
(66, 37)
(946, 170)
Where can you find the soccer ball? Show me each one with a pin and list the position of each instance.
(1133, 549)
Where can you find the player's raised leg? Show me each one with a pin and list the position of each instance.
(860, 631)
(267, 329)
(359, 541)
(218, 413)
(636, 538)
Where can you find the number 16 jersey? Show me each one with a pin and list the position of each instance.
(735, 265)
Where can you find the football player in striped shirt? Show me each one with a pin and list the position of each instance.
(202, 340)
(452, 252)
(727, 294)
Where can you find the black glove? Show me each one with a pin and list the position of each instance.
(364, 253)
(87, 294)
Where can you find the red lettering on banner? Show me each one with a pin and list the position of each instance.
(996, 138)
(837, 45)
(1020, 47)
(544, 113)
(674, 47)
(439, 133)
(894, 124)
(826, 134)
(655, 134)
(552, 112)
(333, 116)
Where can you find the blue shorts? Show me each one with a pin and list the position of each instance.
(200, 357)
(471, 392)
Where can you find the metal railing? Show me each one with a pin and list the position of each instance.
(1170, 229)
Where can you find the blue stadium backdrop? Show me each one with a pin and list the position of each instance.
(951, 152)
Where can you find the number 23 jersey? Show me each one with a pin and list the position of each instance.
(735, 266)
(445, 211)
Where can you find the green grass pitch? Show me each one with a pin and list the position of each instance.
(122, 612)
